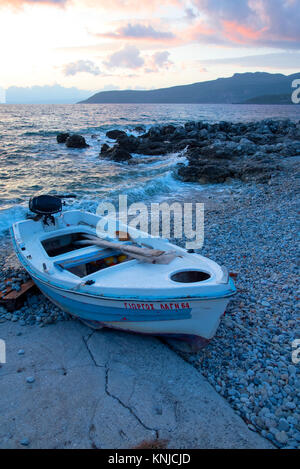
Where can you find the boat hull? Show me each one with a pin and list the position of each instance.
(183, 298)
(182, 318)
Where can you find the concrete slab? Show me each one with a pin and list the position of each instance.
(108, 390)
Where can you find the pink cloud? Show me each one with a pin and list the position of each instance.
(127, 5)
(272, 23)
(20, 3)
(141, 32)
(240, 33)
(133, 5)
(198, 31)
(253, 23)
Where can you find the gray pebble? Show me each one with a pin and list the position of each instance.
(30, 379)
(283, 425)
(281, 437)
(25, 442)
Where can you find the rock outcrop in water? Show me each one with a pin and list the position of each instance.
(72, 141)
(115, 134)
(115, 153)
(216, 152)
(62, 138)
(76, 141)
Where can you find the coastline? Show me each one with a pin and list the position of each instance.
(250, 228)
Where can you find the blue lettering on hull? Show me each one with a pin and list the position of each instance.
(103, 313)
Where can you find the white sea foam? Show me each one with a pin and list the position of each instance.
(11, 215)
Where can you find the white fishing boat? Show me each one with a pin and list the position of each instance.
(141, 284)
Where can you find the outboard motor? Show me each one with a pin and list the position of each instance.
(45, 206)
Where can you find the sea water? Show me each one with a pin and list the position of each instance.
(32, 162)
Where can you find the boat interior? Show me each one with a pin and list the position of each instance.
(87, 262)
(60, 253)
(57, 245)
(85, 268)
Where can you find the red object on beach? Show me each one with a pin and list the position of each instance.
(10, 297)
(233, 274)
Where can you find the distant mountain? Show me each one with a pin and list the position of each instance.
(270, 99)
(236, 89)
(55, 94)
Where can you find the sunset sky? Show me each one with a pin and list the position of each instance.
(118, 44)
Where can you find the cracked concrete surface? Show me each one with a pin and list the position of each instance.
(108, 389)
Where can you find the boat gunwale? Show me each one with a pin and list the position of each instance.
(36, 274)
(151, 299)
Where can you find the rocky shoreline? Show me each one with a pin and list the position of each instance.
(215, 153)
(252, 231)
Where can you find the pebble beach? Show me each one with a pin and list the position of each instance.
(250, 228)
(249, 361)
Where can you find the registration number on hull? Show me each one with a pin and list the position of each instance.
(160, 306)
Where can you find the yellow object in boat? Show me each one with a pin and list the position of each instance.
(110, 260)
(122, 258)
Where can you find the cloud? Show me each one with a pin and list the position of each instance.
(115, 5)
(158, 61)
(20, 3)
(190, 15)
(282, 60)
(109, 87)
(161, 59)
(202, 32)
(271, 23)
(246, 23)
(224, 9)
(138, 31)
(133, 5)
(128, 57)
(81, 66)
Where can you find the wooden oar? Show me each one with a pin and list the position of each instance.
(152, 256)
(126, 247)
